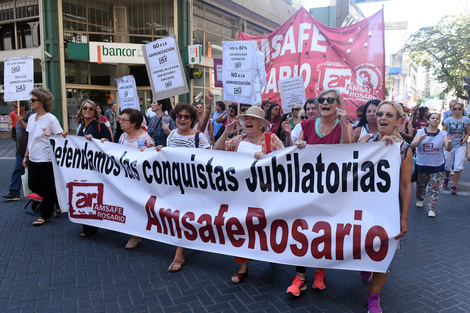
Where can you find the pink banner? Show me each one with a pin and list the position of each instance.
(350, 59)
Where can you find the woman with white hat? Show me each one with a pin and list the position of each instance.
(255, 139)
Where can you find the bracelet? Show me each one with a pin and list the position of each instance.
(26, 156)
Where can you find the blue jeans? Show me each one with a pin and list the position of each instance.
(15, 185)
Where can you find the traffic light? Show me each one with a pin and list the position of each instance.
(467, 86)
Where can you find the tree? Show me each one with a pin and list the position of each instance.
(445, 49)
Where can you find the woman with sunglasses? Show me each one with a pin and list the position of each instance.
(331, 128)
(134, 136)
(184, 136)
(91, 127)
(457, 126)
(430, 143)
(389, 115)
(37, 157)
(368, 123)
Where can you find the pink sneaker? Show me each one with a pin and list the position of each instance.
(446, 182)
(319, 283)
(374, 303)
(453, 190)
(297, 286)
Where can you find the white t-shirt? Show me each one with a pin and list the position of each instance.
(430, 151)
(295, 133)
(38, 143)
(150, 113)
(188, 141)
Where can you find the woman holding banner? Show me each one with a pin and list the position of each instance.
(37, 157)
(368, 123)
(184, 136)
(257, 140)
(134, 136)
(389, 116)
(274, 117)
(331, 128)
(91, 127)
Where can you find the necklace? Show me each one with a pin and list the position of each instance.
(325, 131)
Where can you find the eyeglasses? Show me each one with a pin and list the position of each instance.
(243, 109)
(303, 117)
(91, 109)
(124, 120)
(387, 115)
(33, 100)
(276, 109)
(457, 109)
(181, 116)
(295, 109)
(329, 100)
(199, 107)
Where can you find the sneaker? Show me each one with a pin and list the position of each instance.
(297, 286)
(366, 276)
(373, 303)
(319, 283)
(11, 197)
(453, 190)
(446, 182)
(419, 204)
(431, 213)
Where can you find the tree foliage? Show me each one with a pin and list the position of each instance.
(445, 49)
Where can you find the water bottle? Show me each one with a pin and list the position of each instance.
(140, 143)
(166, 118)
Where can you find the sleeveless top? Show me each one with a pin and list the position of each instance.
(404, 146)
(312, 135)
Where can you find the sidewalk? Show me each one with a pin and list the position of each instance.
(52, 269)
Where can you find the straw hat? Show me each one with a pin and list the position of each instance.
(257, 112)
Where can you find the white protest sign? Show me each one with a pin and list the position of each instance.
(260, 59)
(292, 93)
(164, 67)
(19, 78)
(327, 206)
(128, 97)
(240, 72)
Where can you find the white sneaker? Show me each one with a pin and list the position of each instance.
(419, 204)
(431, 213)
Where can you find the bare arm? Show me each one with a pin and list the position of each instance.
(405, 192)
(201, 126)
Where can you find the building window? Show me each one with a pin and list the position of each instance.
(255, 30)
(211, 26)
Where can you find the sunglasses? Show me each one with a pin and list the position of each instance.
(295, 109)
(181, 116)
(124, 120)
(457, 109)
(276, 109)
(387, 115)
(33, 100)
(303, 117)
(329, 100)
(243, 109)
(91, 109)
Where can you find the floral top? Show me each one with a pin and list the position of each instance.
(144, 139)
(275, 142)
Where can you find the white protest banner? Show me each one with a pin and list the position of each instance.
(239, 86)
(239, 55)
(19, 78)
(292, 93)
(327, 206)
(128, 97)
(164, 67)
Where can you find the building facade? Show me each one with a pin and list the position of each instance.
(64, 36)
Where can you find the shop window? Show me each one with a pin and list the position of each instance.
(102, 74)
(140, 74)
(7, 38)
(76, 73)
(24, 36)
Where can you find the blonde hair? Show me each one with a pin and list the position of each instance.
(396, 106)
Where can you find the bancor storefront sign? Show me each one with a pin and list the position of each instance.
(108, 52)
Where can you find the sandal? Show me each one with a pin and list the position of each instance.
(176, 265)
(239, 276)
(88, 233)
(133, 242)
(40, 221)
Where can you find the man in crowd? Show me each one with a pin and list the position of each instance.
(21, 142)
(219, 109)
(110, 114)
(12, 121)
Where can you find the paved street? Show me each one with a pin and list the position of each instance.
(52, 269)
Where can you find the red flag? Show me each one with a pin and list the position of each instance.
(350, 59)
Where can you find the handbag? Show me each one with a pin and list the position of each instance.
(24, 180)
